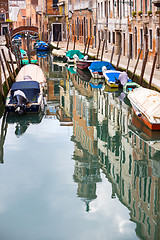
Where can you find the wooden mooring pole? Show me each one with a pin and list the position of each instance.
(10, 56)
(59, 35)
(112, 55)
(74, 45)
(98, 48)
(143, 66)
(119, 56)
(7, 65)
(28, 48)
(88, 45)
(104, 41)
(152, 71)
(67, 43)
(1, 87)
(85, 45)
(136, 64)
(4, 72)
(129, 58)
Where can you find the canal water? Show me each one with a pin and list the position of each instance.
(83, 169)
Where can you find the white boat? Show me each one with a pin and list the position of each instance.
(146, 105)
(26, 94)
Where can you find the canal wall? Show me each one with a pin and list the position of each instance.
(122, 64)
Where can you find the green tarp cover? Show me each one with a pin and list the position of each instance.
(71, 53)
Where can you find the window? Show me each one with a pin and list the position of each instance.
(113, 40)
(55, 3)
(150, 39)
(141, 37)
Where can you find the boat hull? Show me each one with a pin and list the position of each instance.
(143, 118)
(83, 64)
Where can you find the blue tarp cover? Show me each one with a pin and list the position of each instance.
(24, 85)
(97, 66)
(41, 43)
(71, 53)
(112, 76)
(30, 88)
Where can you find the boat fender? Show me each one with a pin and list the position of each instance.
(139, 114)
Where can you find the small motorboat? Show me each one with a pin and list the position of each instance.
(84, 63)
(146, 105)
(17, 39)
(41, 46)
(26, 94)
(23, 53)
(114, 78)
(96, 68)
(129, 86)
(73, 55)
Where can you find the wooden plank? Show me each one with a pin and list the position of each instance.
(10, 56)
(112, 55)
(136, 64)
(119, 56)
(104, 41)
(98, 48)
(7, 65)
(1, 87)
(4, 72)
(143, 66)
(152, 71)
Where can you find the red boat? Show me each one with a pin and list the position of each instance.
(83, 64)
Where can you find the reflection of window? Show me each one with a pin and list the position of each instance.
(55, 3)
(2, 17)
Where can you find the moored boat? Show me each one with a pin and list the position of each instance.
(114, 78)
(41, 46)
(96, 68)
(72, 54)
(26, 94)
(146, 105)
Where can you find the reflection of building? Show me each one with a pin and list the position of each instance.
(129, 164)
(86, 172)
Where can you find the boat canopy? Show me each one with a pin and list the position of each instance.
(96, 66)
(71, 53)
(32, 70)
(30, 88)
(146, 100)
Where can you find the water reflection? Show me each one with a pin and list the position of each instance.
(109, 143)
(107, 136)
(22, 122)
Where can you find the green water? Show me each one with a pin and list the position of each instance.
(81, 170)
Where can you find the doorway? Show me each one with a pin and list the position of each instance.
(56, 30)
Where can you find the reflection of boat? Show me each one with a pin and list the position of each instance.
(41, 46)
(23, 121)
(84, 75)
(143, 132)
(96, 68)
(146, 105)
(42, 54)
(25, 61)
(71, 69)
(26, 94)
